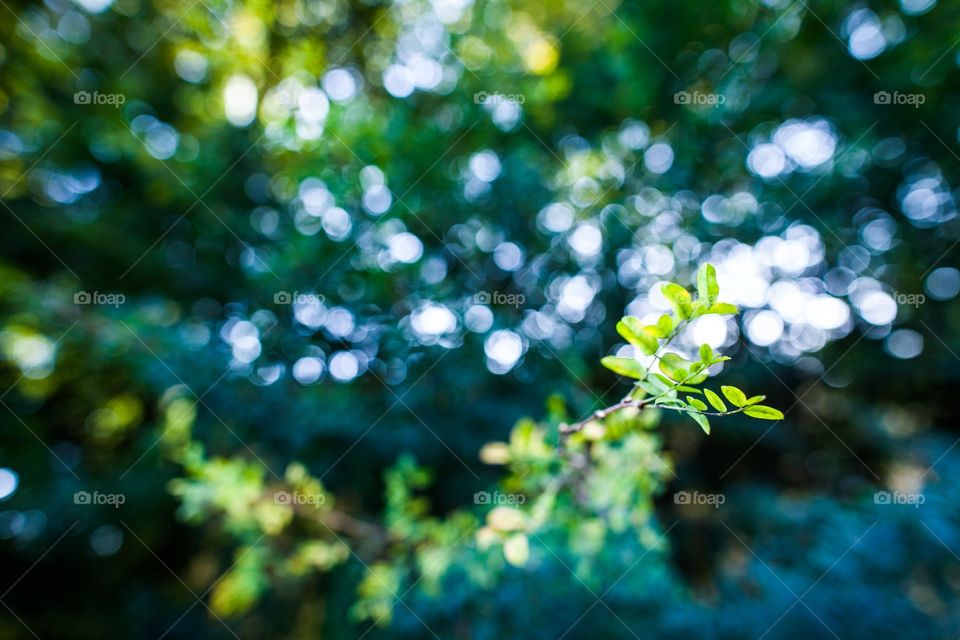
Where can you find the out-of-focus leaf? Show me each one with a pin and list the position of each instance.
(707, 287)
(723, 308)
(674, 366)
(706, 353)
(662, 328)
(679, 299)
(624, 366)
(634, 332)
(516, 549)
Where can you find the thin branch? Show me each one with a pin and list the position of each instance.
(567, 429)
(702, 413)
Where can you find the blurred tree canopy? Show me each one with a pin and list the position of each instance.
(332, 249)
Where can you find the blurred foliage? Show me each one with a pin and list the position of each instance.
(277, 273)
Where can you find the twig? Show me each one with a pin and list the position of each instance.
(567, 429)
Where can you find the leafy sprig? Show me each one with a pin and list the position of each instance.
(671, 381)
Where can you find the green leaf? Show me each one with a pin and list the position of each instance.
(723, 308)
(684, 387)
(763, 413)
(638, 392)
(707, 287)
(715, 400)
(650, 387)
(670, 402)
(664, 326)
(634, 332)
(701, 420)
(674, 366)
(696, 404)
(736, 397)
(756, 399)
(679, 299)
(706, 353)
(624, 366)
(629, 327)
(666, 382)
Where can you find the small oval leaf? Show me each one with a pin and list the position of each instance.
(679, 299)
(701, 420)
(736, 397)
(624, 366)
(635, 333)
(674, 366)
(763, 412)
(706, 353)
(723, 308)
(715, 400)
